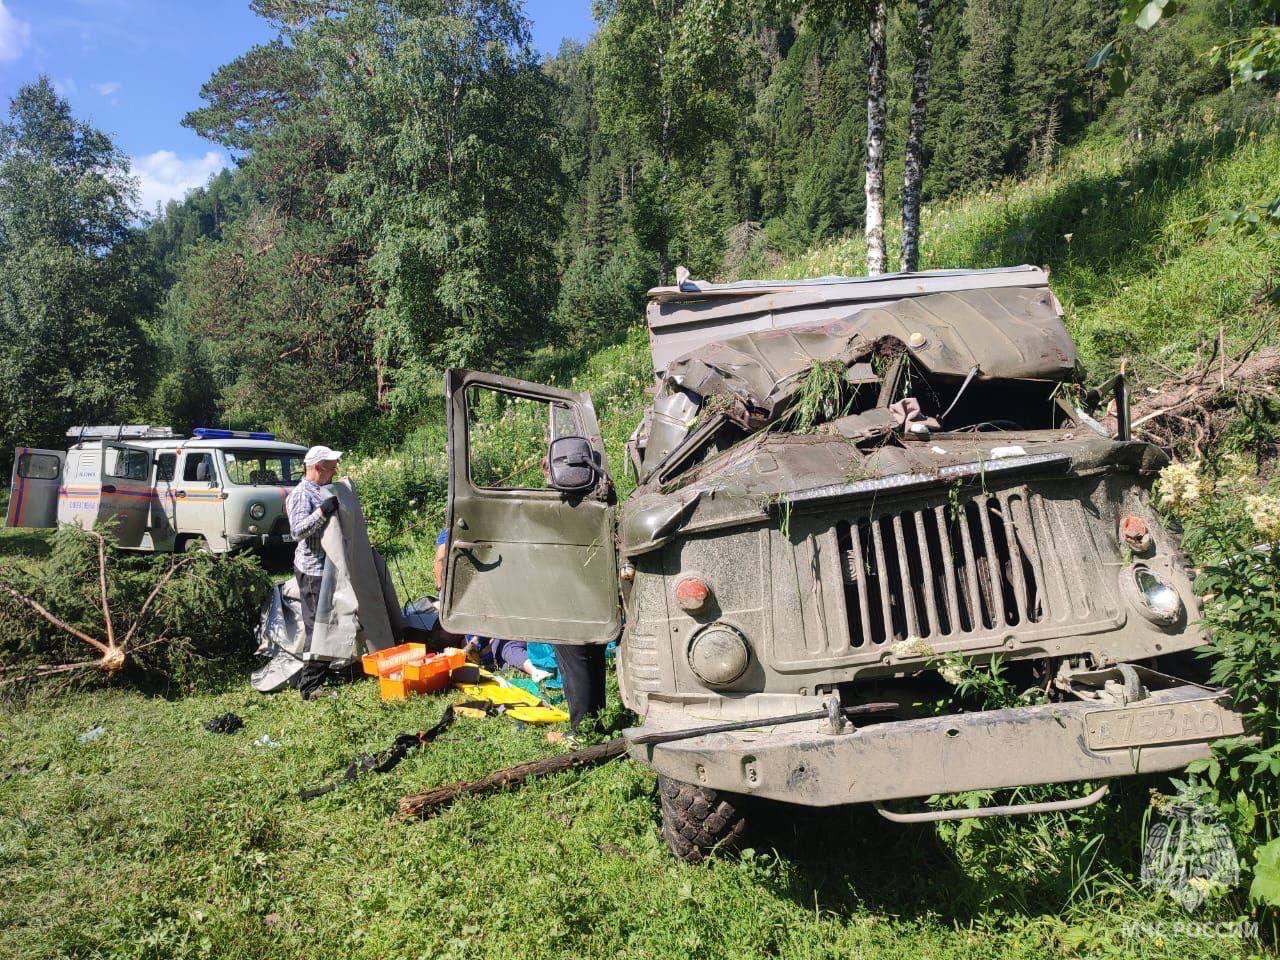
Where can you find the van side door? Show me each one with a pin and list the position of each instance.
(162, 507)
(198, 500)
(530, 547)
(125, 502)
(33, 491)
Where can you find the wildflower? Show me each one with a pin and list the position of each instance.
(1264, 510)
(1180, 487)
(953, 671)
(913, 647)
(1235, 476)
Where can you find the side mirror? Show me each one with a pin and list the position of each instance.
(571, 465)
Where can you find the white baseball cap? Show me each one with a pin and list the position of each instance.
(320, 454)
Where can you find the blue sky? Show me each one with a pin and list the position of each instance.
(135, 67)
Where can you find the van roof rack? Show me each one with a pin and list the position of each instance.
(121, 431)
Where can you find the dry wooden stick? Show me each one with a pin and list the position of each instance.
(102, 588)
(429, 802)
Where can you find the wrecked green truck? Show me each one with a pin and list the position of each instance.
(844, 486)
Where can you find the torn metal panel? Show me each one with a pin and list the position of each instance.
(693, 314)
(1010, 334)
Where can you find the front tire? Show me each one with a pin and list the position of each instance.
(697, 821)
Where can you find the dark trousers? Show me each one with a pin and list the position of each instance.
(313, 672)
(582, 671)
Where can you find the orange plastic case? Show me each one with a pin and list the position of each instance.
(384, 663)
(428, 673)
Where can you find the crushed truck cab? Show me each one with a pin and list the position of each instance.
(843, 485)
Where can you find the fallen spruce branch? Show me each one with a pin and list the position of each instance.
(430, 802)
(113, 654)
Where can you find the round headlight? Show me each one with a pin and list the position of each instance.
(719, 654)
(257, 510)
(1158, 600)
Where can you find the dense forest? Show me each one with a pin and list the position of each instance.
(415, 187)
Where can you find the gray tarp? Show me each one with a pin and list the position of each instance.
(357, 609)
(357, 600)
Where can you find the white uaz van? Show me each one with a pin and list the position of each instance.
(216, 490)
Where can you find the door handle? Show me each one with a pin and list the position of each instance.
(181, 494)
(467, 545)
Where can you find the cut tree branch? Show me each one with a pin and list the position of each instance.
(433, 801)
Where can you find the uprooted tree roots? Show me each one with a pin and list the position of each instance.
(1188, 411)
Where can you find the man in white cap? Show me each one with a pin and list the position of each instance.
(309, 507)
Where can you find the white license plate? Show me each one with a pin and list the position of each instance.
(1180, 722)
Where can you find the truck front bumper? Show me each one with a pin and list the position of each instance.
(1054, 743)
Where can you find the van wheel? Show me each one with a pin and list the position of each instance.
(195, 544)
(697, 821)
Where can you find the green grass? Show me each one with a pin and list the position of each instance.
(22, 546)
(163, 840)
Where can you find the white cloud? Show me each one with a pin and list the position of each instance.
(164, 176)
(108, 89)
(15, 34)
(64, 87)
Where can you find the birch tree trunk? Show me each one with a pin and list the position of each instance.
(914, 167)
(876, 71)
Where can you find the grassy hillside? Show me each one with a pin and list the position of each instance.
(1124, 231)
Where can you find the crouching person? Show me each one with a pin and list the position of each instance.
(310, 507)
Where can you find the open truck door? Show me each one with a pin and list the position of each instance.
(33, 490)
(124, 503)
(530, 548)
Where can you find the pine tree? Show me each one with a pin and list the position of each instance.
(983, 73)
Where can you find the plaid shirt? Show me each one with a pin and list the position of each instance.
(307, 524)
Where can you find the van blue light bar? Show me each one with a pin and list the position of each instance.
(213, 433)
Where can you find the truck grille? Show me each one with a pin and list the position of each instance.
(970, 567)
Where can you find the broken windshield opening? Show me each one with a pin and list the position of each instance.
(975, 405)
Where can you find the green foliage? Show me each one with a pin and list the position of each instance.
(73, 279)
(823, 395)
(984, 67)
(1232, 530)
(205, 611)
(452, 178)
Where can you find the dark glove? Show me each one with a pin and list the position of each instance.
(329, 506)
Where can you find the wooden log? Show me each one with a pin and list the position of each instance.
(429, 802)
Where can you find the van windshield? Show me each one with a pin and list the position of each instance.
(255, 468)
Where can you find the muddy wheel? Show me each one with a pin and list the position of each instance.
(696, 821)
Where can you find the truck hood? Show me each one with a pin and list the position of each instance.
(747, 483)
